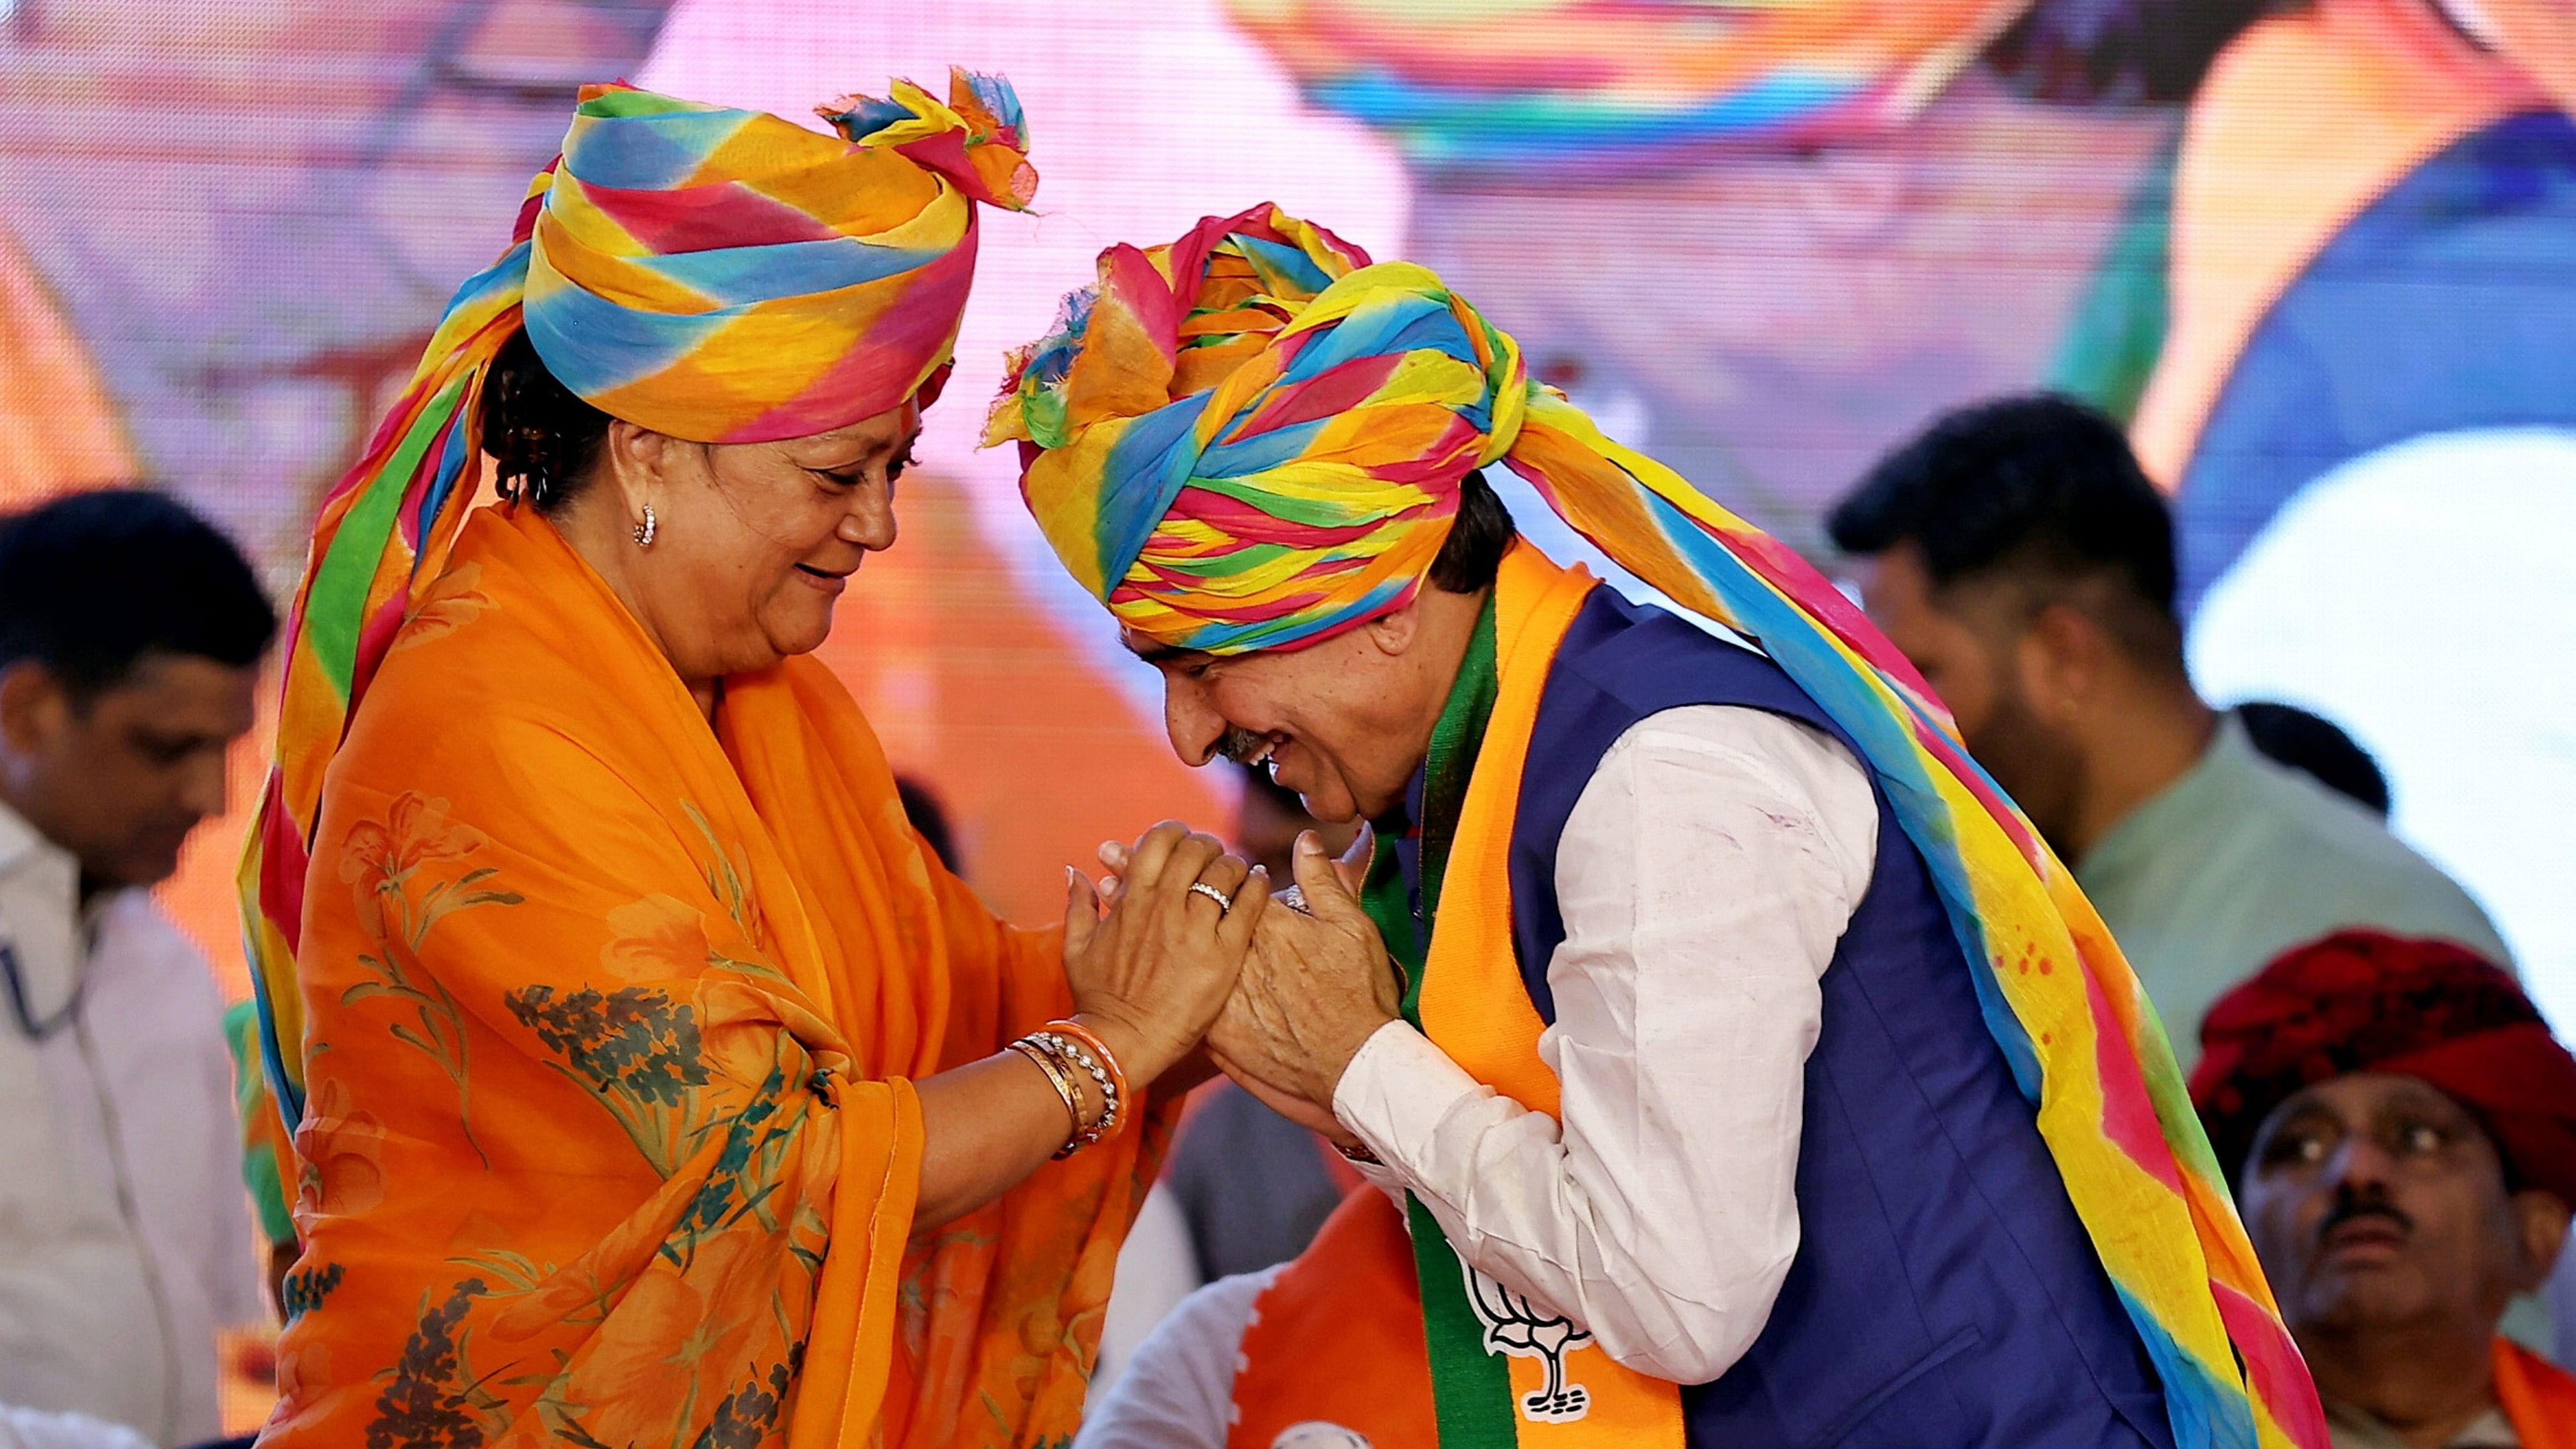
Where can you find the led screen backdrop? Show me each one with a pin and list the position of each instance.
(2323, 255)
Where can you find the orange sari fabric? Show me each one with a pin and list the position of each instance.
(609, 1020)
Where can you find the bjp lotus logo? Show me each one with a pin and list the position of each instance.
(1516, 1326)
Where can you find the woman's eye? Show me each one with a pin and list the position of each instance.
(843, 480)
(895, 470)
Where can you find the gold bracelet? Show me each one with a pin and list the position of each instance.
(1063, 1083)
(1075, 1056)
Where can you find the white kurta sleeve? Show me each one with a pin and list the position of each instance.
(1704, 877)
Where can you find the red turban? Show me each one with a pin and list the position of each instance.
(2362, 1001)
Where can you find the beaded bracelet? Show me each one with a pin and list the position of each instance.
(1063, 1084)
(1078, 1056)
(1107, 1059)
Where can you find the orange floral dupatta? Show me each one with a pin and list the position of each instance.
(609, 1020)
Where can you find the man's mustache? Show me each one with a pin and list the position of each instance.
(2349, 1207)
(1241, 745)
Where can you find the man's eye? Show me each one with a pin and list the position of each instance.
(2302, 1149)
(2422, 1138)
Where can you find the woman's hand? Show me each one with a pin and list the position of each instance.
(1151, 975)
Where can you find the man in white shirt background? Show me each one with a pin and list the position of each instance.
(130, 639)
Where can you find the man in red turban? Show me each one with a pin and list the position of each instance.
(2400, 1128)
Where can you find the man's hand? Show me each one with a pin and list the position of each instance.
(1314, 988)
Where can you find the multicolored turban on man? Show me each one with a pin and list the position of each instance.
(1253, 438)
(2364, 1001)
(719, 275)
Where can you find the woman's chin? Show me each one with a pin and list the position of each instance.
(802, 632)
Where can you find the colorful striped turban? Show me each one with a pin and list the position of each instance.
(1253, 438)
(1490, 84)
(722, 276)
(2366, 1001)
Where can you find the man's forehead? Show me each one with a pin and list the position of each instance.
(1154, 651)
(2356, 1093)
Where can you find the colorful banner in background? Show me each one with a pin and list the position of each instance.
(2328, 255)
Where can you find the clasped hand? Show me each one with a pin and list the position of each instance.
(1312, 988)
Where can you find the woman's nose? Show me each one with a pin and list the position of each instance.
(870, 522)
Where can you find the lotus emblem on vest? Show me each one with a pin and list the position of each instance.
(1516, 1326)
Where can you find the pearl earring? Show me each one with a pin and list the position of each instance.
(644, 530)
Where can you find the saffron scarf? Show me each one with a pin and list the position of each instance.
(717, 275)
(1252, 438)
(2538, 1398)
(611, 1021)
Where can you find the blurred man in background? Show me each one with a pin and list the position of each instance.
(2400, 1128)
(130, 639)
(2024, 563)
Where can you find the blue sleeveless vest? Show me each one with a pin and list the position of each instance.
(1944, 1294)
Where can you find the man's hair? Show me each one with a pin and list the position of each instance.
(93, 582)
(2038, 490)
(1478, 538)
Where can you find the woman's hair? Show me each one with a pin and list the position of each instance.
(546, 440)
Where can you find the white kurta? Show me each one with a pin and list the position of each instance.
(1705, 878)
(124, 1231)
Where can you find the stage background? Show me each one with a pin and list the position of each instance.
(2324, 254)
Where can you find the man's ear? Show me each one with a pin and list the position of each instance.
(2541, 1216)
(34, 708)
(2060, 656)
(1395, 631)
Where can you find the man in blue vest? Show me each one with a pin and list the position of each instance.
(1648, 1008)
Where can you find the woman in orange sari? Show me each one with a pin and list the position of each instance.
(654, 1085)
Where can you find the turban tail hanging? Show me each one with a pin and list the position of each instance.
(722, 276)
(1253, 439)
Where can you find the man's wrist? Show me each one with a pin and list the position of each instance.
(1337, 1063)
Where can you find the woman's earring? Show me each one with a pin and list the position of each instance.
(644, 530)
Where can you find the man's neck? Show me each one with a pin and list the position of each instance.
(2149, 736)
(2426, 1383)
(1448, 625)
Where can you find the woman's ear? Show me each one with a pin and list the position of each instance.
(635, 460)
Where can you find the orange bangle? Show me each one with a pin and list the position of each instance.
(1099, 1048)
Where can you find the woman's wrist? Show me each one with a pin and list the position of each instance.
(1138, 1056)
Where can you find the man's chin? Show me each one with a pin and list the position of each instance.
(2365, 1294)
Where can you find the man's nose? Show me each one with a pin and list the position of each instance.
(2360, 1165)
(1195, 728)
(203, 789)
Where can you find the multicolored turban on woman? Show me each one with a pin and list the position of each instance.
(1511, 83)
(1252, 438)
(718, 275)
(2366, 1001)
